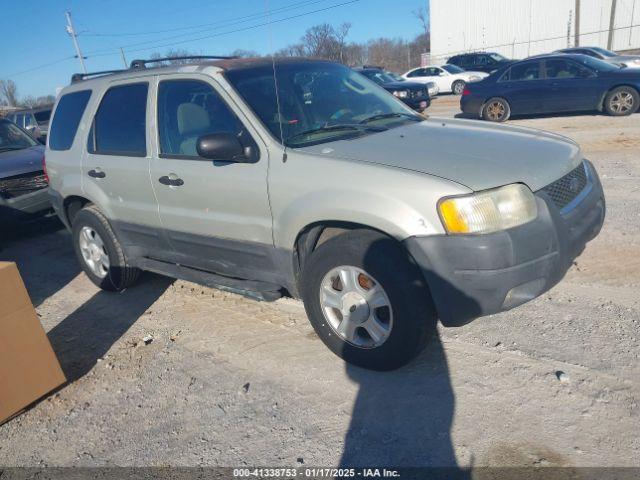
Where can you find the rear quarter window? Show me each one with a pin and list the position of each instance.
(65, 123)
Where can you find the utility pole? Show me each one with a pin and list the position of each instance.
(124, 59)
(577, 32)
(612, 24)
(569, 30)
(72, 32)
(633, 11)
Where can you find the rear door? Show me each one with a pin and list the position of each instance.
(570, 86)
(216, 214)
(115, 169)
(523, 87)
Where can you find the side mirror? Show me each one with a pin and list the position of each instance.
(224, 147)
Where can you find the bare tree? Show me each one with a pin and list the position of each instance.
(172, 53)
(9, 92)
(341, 35)
(422, 14)
(239, 52)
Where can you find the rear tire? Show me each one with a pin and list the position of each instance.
(496, 110)
(384, 294)
(622, 101)
(458, 87)
(99, 253)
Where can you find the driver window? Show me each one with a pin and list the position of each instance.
(560, 68)
(188, 109)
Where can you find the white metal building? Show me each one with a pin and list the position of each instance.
(520, 28)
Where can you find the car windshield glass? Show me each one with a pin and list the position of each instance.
(396, 77)
(497, 57)
(606, 53)
(596, 64)
(12, 138)
(42, 117)
(315, 96)
(452, 68)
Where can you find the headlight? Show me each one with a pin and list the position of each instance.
(474, 78)
(401, 93)
(488, 211)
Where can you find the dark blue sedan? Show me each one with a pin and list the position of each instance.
(554, 84)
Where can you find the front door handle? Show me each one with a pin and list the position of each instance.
(96, 173)
(172, 182)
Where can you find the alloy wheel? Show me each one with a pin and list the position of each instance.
(496, 110)
(622, 102)
(94, 252)
(356, 306)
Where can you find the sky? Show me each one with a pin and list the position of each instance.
(38, 53)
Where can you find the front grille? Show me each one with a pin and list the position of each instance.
(18, 185)
(565, 189)
(417, 93)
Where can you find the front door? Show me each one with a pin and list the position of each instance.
(524, 88)
(570, 86)
(216, 214)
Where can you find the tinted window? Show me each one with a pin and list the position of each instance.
(432, 72)
(42, 117)
(188, 109)
(561, 68)
(454, 61)
(67, 118)
(119, 126)
(421, 72)
(523, 72)
(452, 69)
(465, 61)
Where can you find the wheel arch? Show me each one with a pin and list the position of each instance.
(71, 205)
(613, 87)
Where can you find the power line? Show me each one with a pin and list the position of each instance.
(218, 22)
(41, 66)
(280, 20)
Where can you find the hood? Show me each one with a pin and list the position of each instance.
(475, 154)
(625, 58)
(17, 162)
(404, 86)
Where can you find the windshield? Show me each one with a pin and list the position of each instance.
(43, 116)
(497, 57)
(378, 76)
(396, 77)
(452, 68)
(319, 102)
(597, 64)
(12, 138)
(606, 53)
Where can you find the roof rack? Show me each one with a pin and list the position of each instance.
(136, 64)
(78, 77)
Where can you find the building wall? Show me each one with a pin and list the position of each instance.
(520, 28)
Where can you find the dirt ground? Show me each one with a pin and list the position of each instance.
(231, 382)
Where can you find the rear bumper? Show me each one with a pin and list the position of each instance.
(471, 105)
(475, 275)
(25, 205)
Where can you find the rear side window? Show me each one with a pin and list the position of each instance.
(119, 127)
(522, 72)
(67, 118)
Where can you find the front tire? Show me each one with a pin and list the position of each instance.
(496, 110)
(367, 300)
(458, 87)
(99, 253)
(622, 101)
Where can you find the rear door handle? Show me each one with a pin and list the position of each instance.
(96, 173)
(172, 182)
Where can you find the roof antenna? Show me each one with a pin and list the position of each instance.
(275, 80)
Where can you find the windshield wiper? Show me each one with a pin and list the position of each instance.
(354, 127)
(382, 116)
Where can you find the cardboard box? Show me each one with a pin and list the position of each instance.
(28, 366)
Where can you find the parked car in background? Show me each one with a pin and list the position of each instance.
(448, 78)
(630, 61)
(33, 120)
(480, 61)
(554, 84)
(316, 183)
(432, 87)
(415, 95)
(23, 183)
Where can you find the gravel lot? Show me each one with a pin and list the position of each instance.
(230, 382)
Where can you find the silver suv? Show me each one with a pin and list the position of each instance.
(318, 184)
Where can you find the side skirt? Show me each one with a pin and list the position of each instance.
(253, 289)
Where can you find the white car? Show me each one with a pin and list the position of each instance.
(448, 78)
